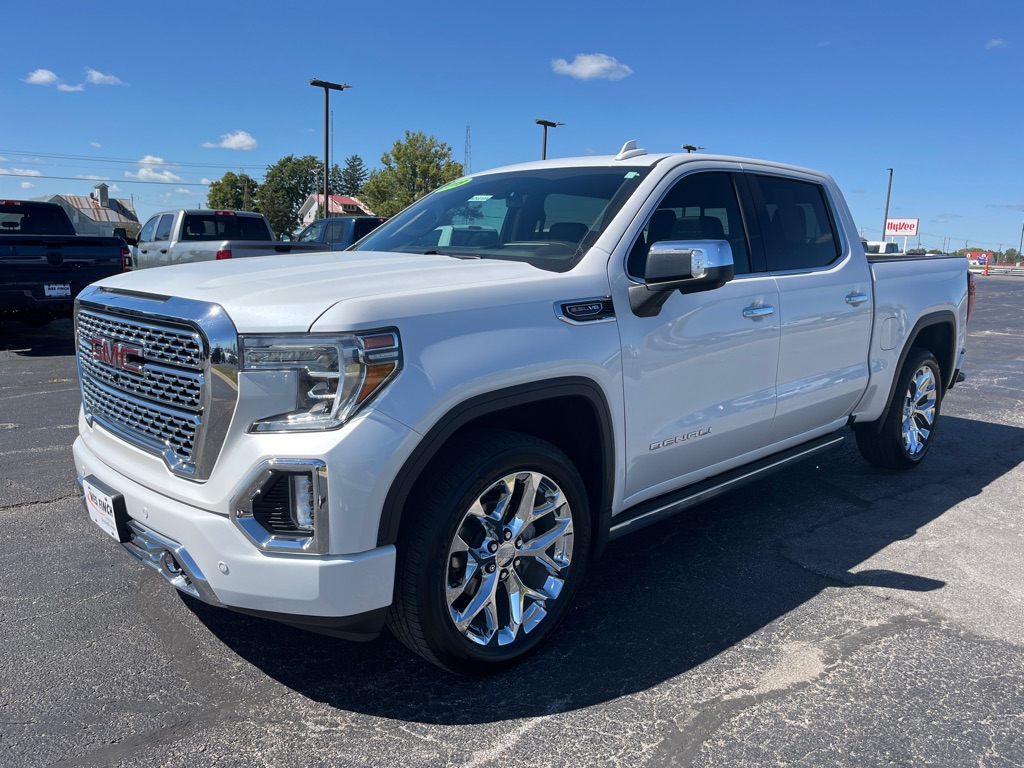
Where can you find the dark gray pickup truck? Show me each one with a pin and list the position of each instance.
(44, 264)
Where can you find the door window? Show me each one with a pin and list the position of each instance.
(163, 230)
(701, 206)
(799, 231)
(146, 234)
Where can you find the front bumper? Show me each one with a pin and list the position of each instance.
(206, 556)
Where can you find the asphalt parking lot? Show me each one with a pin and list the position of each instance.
(833, 615)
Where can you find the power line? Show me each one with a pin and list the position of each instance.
(52, 156)
(124, 181)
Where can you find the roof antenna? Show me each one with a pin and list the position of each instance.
(629, 150)
(690, 148)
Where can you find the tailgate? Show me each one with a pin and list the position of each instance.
(49, 271)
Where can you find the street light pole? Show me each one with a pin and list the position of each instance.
(887, 196)
(328, 87)
(547, 124)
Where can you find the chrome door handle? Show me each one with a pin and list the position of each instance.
(856, 298)
(756, 312)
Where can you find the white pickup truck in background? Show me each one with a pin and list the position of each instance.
(441, 437)
(182, 237)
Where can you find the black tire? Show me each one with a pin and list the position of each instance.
(902, 439)
(473, 473)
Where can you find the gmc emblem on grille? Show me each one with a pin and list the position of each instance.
(115, 354)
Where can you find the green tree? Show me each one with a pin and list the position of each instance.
(285, 187)
(353, 176)
(412, 169)
(234, 192)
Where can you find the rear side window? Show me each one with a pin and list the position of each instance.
(366, 226)
(797, 224)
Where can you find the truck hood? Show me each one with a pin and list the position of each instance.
(288, 293)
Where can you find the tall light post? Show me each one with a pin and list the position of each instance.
(887, 196)
(1021, 246)
(328, 87)
(547, 124)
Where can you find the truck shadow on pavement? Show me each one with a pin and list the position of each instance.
(662, 601)
(53, 340)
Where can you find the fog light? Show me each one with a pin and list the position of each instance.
(283, 506)
(302, 501)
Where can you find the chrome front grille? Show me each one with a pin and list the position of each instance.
(150, 378)
(177, 345)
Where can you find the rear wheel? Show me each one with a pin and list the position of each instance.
(494, 554)
(903, 438)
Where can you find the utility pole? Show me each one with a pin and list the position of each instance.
(888, 194)
(467, 158)
(328, 87)
(547, 124)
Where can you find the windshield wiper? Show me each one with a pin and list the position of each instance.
(452, 255)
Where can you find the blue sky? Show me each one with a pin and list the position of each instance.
(932, 89)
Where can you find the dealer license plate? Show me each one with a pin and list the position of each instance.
(106, 508)
(57, 290)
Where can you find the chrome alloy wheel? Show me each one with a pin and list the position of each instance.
(509, 559)
(919, 409)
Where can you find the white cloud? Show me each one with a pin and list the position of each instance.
(19, 172)
(98, 78)
(235, 140)
(592, 66)
(94, 178)
(206, 181)
(95, 144)
(70, 88)
(148, 174)
(189, 192)
(42, 77)
(944, 218)
(27, 185)
(3, 159)
(824, 44)
(998, 42)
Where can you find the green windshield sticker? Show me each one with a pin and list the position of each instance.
(632, 175)
(456, 183)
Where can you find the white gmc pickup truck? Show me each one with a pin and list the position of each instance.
(441, 438)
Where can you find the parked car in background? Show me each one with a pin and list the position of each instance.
(44, 264)
(338, 232)
(182, 237)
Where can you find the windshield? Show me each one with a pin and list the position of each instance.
(312, 233)
(547, 217)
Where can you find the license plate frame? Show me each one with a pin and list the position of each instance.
(57, 290)
(106, 508)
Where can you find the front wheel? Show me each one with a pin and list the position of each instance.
(492, 554)
(903, 438)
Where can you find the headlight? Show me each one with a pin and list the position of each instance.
(335, 374)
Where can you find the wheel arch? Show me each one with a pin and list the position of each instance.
(935, 332)
(571, 413)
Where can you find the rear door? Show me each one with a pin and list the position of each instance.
(825, 304)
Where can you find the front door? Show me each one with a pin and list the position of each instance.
(699, 378)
